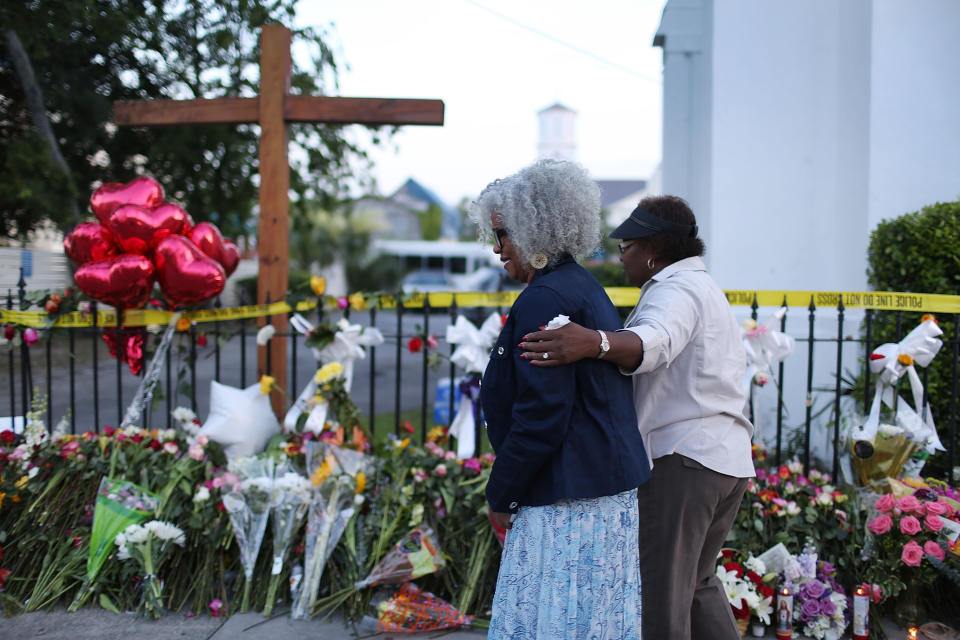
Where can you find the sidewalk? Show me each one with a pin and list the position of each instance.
(97, 624)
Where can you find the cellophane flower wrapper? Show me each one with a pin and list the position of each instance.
(119, 504)
(248, 505)
(292, 494)
(333, 473)
(412, 610)
(416, 554)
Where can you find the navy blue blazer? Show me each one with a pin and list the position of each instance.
(559, 432)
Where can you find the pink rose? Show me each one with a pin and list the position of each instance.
(949, 507)
(912, 554)
(419, 475)
(885, 503)
(881, 524)
(440, 470)
(202, 440)
(910, 504)
(342, 303)
(933, 523)
(450, 455)
(910, 525)
(195, 452)
(932, 548)
(935, 508)
(30, 336)
(171, 447)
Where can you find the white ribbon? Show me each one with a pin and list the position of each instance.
(473, 345)
(765, 347)
(347, 345)
(472, 355)
(464, 428)
(917, 347)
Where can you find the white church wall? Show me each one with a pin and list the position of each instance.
(914, 120)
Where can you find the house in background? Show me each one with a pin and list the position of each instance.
(409, 211)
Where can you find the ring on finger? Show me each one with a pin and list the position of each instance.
(546, 356)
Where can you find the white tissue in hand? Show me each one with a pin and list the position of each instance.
(558, 322)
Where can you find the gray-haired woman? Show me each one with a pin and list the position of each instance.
(569, 456)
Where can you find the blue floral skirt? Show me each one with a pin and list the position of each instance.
(571, 570)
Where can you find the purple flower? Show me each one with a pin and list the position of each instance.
(813, 588)
(827, 607)
(809, 610)
(827, 568)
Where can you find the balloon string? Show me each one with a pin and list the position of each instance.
(150, 378)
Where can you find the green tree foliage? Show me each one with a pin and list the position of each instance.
(918, 252)
(86, 54)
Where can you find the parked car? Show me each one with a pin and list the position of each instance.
(426, 281)
(486, 279)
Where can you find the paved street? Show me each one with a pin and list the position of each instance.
(106, 407)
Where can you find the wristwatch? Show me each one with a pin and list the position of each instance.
(604, 345)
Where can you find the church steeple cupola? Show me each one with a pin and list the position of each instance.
(557, 133)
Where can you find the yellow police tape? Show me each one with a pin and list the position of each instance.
(621, 297)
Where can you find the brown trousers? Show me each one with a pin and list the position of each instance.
(686, 511)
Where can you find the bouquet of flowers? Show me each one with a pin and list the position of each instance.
(820, 604)
(415, 555)
(290, 501)
(338, 476)
(248, 505)
(412, 610)
(747, 592)
(149, 545)
(910, 538)
(119, 505)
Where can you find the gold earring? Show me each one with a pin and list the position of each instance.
(539, 260)
(650, 263)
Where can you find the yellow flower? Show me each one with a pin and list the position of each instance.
(905, 360)
(2, 496)
(266, 383)
(361, 482)
(357, 301)
(183, 324)
(318, 285)
(323, 471)
(328, 372)
(22, 482)
(435, 434)
(404, 443)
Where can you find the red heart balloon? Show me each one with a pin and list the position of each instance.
(231, 257)
(143, 191)
(187, 276)
(124, 281)
(89, 242)
(207, 237)
(138, 230)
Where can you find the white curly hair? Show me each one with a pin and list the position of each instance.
(550, 207)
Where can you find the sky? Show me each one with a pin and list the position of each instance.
(495, 63)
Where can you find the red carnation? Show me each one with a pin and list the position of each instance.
(7, 436)
(201, 340)
(415, 344)
(735, 568)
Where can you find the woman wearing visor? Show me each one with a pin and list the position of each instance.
(681, 345)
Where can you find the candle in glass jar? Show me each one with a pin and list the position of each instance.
(861, 614)
(784, 613)
(912, 633)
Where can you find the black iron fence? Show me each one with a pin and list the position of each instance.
(401, 388)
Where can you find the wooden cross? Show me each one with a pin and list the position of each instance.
(272, 110)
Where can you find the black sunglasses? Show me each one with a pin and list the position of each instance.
(498, 236)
